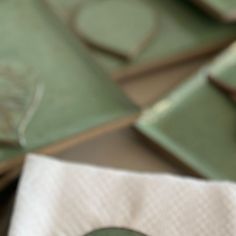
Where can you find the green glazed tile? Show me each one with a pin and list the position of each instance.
(196, 123)
(132, 23)
(223, 9)
(78, 95)
(183, 30)
(114, 232)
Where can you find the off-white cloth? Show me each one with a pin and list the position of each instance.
(56, 198)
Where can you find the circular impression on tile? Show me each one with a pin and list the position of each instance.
(122, 28)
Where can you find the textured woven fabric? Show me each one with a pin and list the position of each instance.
(63, 199)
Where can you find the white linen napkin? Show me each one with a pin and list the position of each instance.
(56, 198)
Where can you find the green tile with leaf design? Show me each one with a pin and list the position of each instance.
(78, 101)
(20, 95)
(183, 32)
(197, 123)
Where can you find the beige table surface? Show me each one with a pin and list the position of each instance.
(124, 148)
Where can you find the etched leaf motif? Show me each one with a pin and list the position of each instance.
(20, 93)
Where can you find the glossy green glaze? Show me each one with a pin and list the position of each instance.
(182, 29)
(78, 96)
(226, 9)
(197, 123)
(114, 232)
(222, 5)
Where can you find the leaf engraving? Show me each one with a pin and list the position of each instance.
(20, 94)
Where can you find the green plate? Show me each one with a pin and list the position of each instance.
(196, 123)
(78, 101)
(224, 10)
(183, 32)
(114, 232)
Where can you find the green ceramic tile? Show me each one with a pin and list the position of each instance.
(183, 30)
(197, 123)
(223, 9)
(77, 97)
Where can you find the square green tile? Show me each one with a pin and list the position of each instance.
(196, 124)
(78, 95)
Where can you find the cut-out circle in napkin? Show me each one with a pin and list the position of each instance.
(114, 232)
(122, 28)
(20, 93)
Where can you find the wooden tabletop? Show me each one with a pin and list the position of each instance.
(124, 148)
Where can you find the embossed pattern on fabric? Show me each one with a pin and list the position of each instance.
(63, 199)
